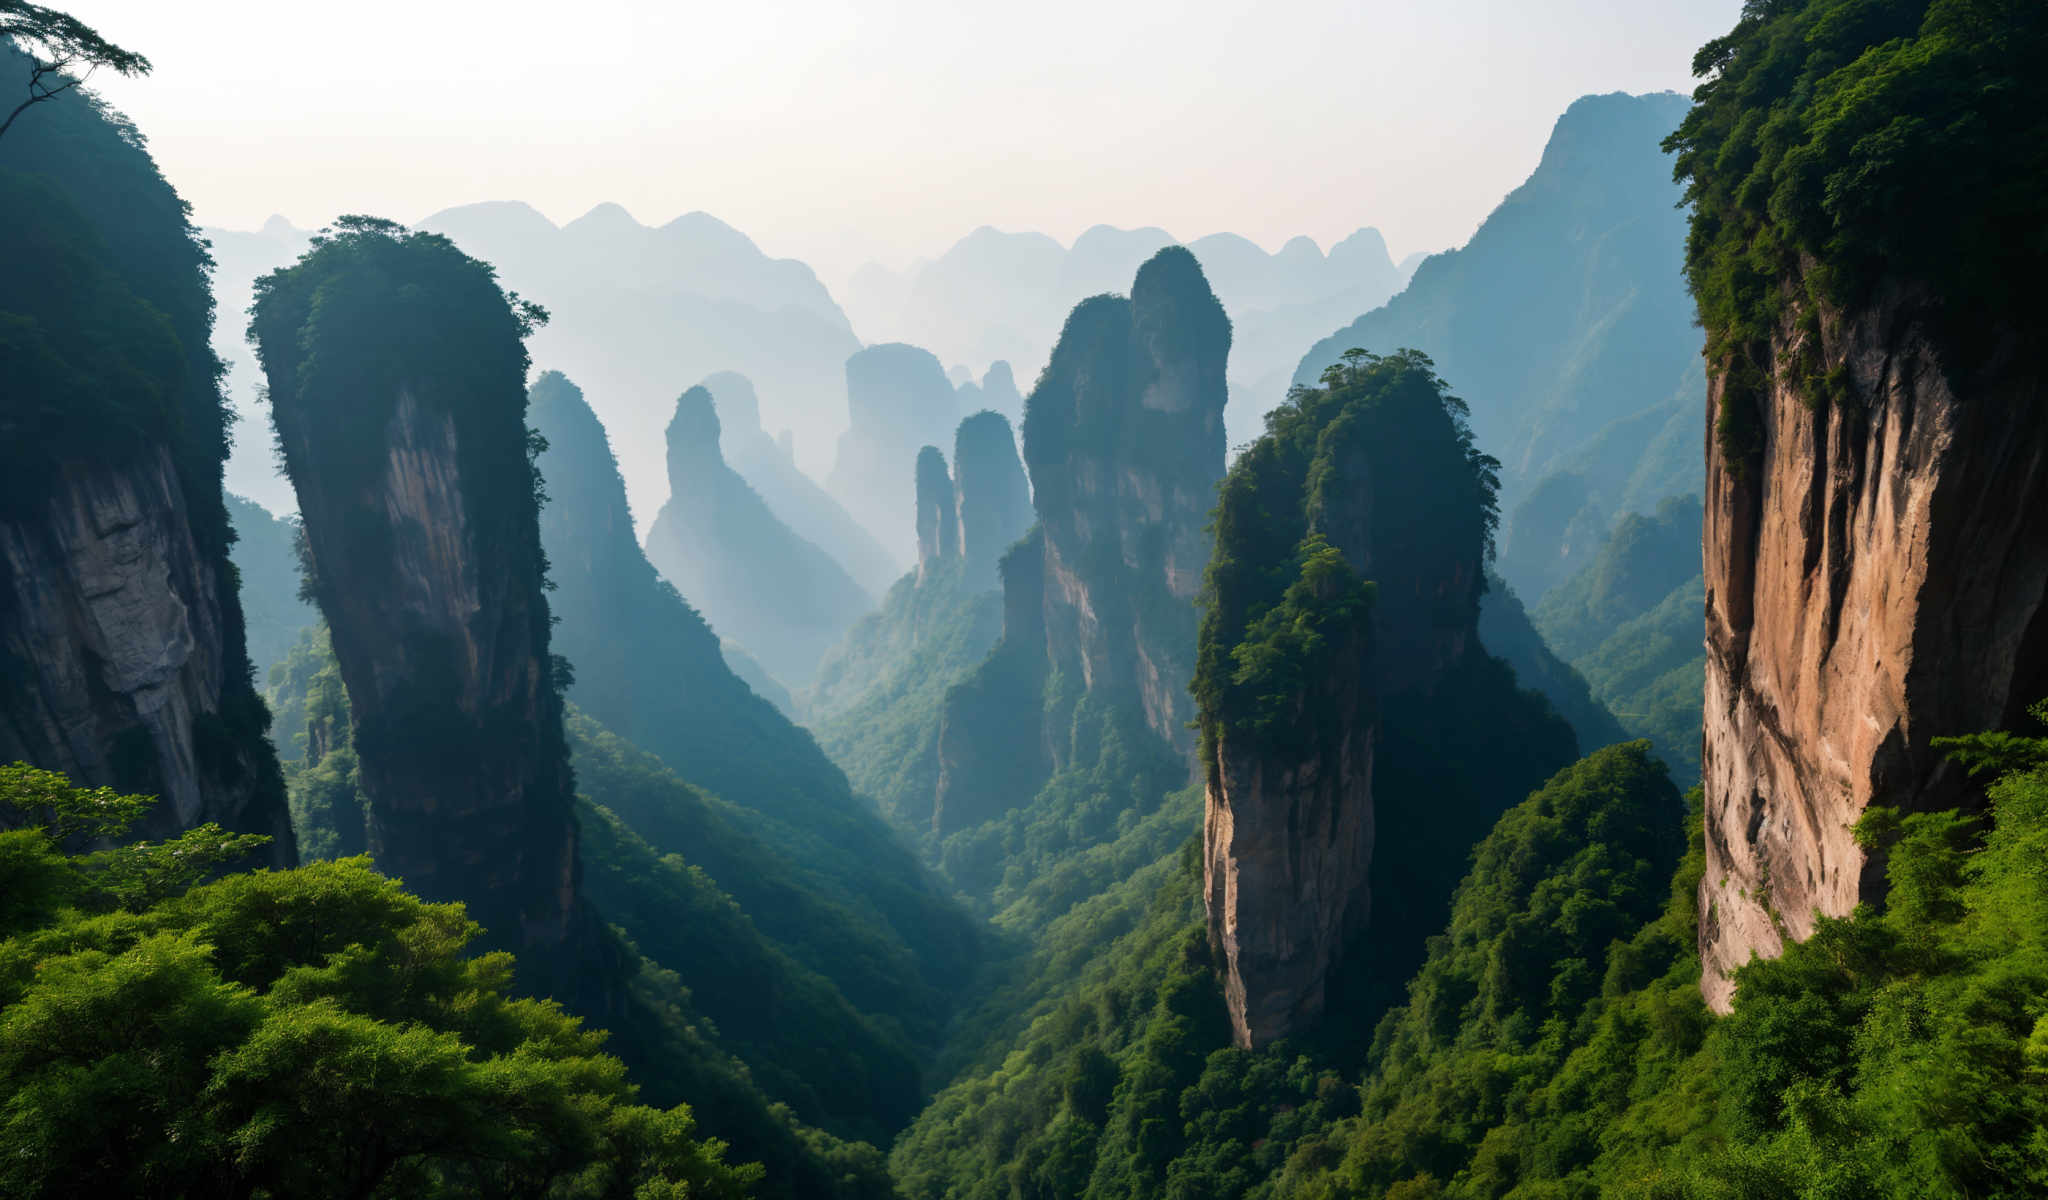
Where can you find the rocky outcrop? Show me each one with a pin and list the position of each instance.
(122, 652)
(1340, 640)
(938, 527)
(769, 466)
(409, 455)
(1124, 441)
(990, 492)
(123, 659)
(1876, 577)
(898, 399)
(1123, 438)
(1287, 844)
(758, 583)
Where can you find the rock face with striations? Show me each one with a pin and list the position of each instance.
(938, 517)
(1124, 441)
(396, 373)
(990, 493)
(122, 656)
(898, 399)
(1123, 438)
(1371, 478)
(779, 596)
(1876, 576)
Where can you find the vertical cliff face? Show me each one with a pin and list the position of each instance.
(1866, 257)
(1877, 576)
(898, 399)
(993, 499)
(124, 664)
(1123, 438)
(122, 657)
(396, 372)
(1371, 477)
(1347, 707)
(938, 517)
(1124, 441)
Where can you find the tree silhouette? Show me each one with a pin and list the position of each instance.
(58, 45)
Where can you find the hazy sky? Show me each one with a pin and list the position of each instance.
(842, 131)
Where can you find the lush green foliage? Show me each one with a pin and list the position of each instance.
(877, 702)
(105, 308)
(266, 558)
(63, 52)
(647, 667)
(1277, 593)
(792, 943)
(105, 318)
(310, 708)
(1380, 462)
(305, 1033)
(1033, 861)
(1564, 916)
(1839, 146)
(1629, 622)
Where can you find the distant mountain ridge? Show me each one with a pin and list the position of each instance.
(638, 314)
(996, 295)
(1566, 326)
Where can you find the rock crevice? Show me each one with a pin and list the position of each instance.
(1876, 577)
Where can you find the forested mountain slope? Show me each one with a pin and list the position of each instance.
(122, 656)
(1565, 326)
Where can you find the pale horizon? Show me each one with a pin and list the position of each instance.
(884, 133)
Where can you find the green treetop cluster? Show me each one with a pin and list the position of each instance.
(306, 1033)
(1382, 432)
(1846, 143)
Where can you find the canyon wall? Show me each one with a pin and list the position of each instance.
(122, 652)
(1346, 702)
(400, 402)
(121, 637)
(1876, 577)
(1123, 440)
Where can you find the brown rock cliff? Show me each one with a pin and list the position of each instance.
(1876, 573)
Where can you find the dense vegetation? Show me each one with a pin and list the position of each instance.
(105, 318)
(813, 992)
(1629, 622)
(306, 1033)
(1287, 614)
(876, 703)
(266, 560)
(649, 669)
(1838, 146)
(1565, 324)
(1278, 592)
(1554, 1043)
(107, 309)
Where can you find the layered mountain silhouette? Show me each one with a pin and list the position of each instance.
(809, 510)
(637, 311)
(754, 579)
(1565, 325)
(998, 296)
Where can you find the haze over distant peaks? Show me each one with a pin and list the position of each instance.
(996, 295)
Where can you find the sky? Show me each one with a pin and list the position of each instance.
(844, 131)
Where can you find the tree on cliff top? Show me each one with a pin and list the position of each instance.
(58, 45)
(1851, 142)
